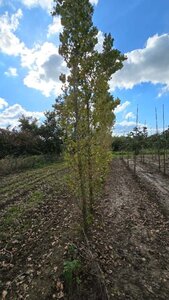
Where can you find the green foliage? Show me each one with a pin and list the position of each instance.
(35, 198)
(72, 267)
(31, 138)
(138, 140)
(10, 164)
(51, 133)
(89, 218)
(15, 212)
(119, 143)
(70, 271)
(28, 124)
(85, 110)
(12, 214)
(29, 193)
(71, 251)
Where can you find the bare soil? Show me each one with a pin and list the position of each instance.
(154, 181)
(37, 222)
(126, 255)
(130, 237)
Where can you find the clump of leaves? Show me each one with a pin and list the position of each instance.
(71, 250)
(89, 219)
(71, 268)
(70, 272)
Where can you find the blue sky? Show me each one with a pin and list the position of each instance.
(30, 64)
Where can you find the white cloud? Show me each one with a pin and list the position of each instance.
(11, 114)
(121, 107)
(125, 127)
(44, 70)
(95, 2)
(16, 110)
(11, 72)
(9, 43)
(164, 90)
(127, 123)
(99, 46)
(3, 103)
(46, 4)
(43, 62)
(55, 27)
(150, 64)
(130, 115)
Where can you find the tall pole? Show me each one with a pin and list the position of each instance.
(164, 137)
(163, 119)
(158, 149)
(136, 140)
(156, 116)
(137, 119)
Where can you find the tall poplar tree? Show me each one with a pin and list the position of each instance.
(86, 106)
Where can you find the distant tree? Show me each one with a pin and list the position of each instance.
(27, 141)
(139, 139)
(5, 142)
(28, 124)
(119, 143)
(51, 133)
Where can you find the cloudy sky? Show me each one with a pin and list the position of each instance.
(30, 64)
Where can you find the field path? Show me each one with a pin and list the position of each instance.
(155, 182)
(130, 238)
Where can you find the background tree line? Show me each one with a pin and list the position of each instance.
(32, 138)
(138, 139)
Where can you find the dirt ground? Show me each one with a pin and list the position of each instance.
(128, 240)
(37, 221)
(156, 162)
(130, 237)
(154, 181)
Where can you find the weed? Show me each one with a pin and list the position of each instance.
(89, 219)
(35, 198)
(70, 272)
(9, 164)
(71, 249)
(71, 268)
(13, 214)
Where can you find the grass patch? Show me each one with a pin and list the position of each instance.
(13, 218)
(35, 199)
(12, 215)
(27, 182)
(11, 164)
(29, 190)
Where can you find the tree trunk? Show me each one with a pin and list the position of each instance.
(80, 166)
(89, 154)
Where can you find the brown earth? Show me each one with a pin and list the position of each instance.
(130, 237)
(37, 222)
(126, 255)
